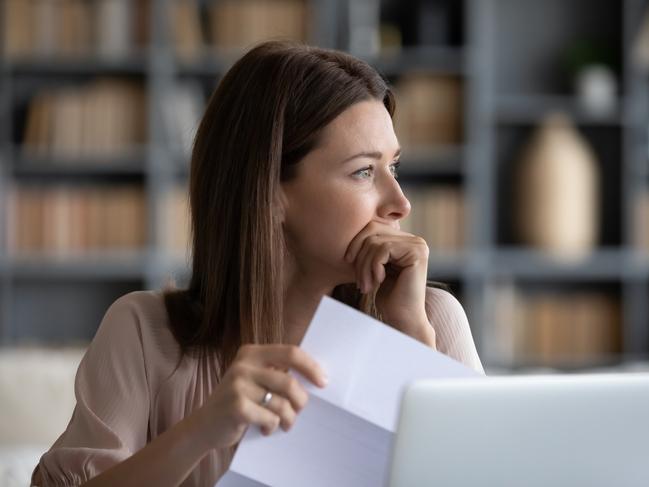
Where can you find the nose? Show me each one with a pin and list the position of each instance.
(394, 205)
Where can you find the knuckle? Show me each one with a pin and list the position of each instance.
(246, 350)
(290, 385)
(285, 409)
(237, 384)
(301, 400)
(243, 350)
(237, 370)
(421, 241)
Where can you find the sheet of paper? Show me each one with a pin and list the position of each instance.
(344, 435)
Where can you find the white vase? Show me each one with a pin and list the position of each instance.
(557, 191)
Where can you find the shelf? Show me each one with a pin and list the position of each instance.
(109, 265)
(432, 161)
(53, 65)
(131, 163)
(204, 65)
(452, 265)
(601, 265)
(530, 109)
(441, 60)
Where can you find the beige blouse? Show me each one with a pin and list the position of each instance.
(129, 391)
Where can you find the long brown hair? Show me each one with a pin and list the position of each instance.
(265, 115)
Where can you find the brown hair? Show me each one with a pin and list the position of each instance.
(265, 115)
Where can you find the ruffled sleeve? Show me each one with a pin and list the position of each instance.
(452, 330)
(110, 419)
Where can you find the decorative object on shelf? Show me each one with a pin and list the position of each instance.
(557, 191)
(592, 67)
(596, 88)
(429, 110)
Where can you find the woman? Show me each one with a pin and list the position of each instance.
(293, 195)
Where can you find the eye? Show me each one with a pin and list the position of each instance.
(364, 173)
(394, 169)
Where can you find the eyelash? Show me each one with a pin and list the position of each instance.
(394, 166)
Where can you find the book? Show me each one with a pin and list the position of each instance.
(555, 329)
(64, 220)
(105, 118)
(436, 215)
(429, 110)
(110, 29)
(238, 24)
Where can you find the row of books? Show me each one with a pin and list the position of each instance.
(555, 329)
(233, 25)
(437, 214)
(429, 110)
(428, 115)
(107, 29)
(176, 225)
(66, 220)
(104, 118)
(641, 222)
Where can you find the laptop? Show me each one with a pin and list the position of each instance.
(564, 430)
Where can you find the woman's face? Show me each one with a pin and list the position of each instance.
(342, 185)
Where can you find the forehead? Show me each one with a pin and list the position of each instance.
(364, 126)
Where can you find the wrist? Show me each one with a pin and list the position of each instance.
(418, 328)
(198, 430)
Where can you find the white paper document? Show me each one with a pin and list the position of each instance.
(343, 437)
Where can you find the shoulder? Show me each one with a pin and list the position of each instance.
(442, 307)
(452, 329)
(141, 310)
(137, 325)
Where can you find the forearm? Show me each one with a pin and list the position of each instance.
(164, 462)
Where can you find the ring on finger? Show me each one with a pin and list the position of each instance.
(266, 399)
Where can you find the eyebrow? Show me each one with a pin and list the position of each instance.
(371, 155)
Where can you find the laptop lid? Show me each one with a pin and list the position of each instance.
(572, 430)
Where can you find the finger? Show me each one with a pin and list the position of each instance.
(374, 254)
(283, 384)
(285, 356)
(378, 265)
(283, 410)
(375, 262)
(364, 272)
(252, 413)
(372, 228)
(253, 385)
(358, 264)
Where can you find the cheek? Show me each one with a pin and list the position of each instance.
(324, 223)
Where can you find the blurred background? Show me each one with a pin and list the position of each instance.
(525, 134)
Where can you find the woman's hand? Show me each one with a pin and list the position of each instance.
(236, 402)
(394, 264)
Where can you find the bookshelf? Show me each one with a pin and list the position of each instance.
(506, 67)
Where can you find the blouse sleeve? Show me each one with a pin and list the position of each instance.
(110, 419)
(452, 330)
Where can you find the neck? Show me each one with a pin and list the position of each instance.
(301, 298)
